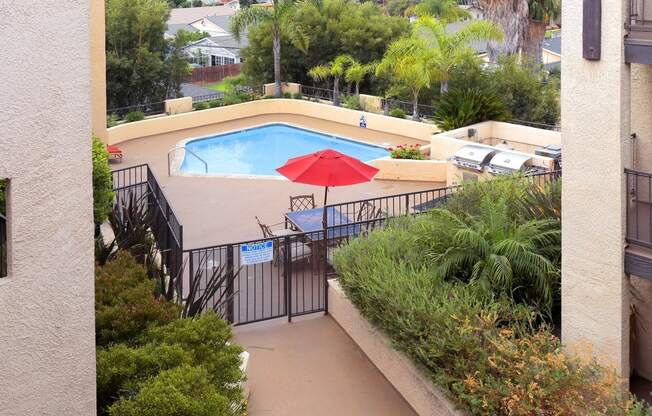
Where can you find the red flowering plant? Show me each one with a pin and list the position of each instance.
(407, 151)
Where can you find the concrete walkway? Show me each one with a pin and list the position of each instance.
(312, 368)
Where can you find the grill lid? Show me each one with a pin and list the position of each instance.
(478, 154)
(510, 160)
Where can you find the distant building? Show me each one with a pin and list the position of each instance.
(216, 50)
(213, 20)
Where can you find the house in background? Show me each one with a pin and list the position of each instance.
(551, 58)
(212, 20)
(216, 50)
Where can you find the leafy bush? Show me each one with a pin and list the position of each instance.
(202, 105)
(121, 368)
(405, 151)
(397, 112)
(102, 181)
(458, 108)
(112, 120)
(483, 349)
(182, 391)
(125, 305)
(216, 103)
(287, 95)
(236, 97)
(352, 102)
(297, 96)
(134, 116)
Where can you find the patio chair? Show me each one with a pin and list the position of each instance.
(298, 248)
(368, 211)
(302, 202)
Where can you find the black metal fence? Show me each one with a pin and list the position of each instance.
(290, 279)
(424, 110)
(140, 182)
(316, 93)
(639, 208)
(148, 109)
(3, 246)
(286, 278)
(554, 127)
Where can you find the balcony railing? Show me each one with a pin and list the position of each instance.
(638, 43)
(639, 208)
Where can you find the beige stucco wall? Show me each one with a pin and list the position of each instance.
(371, 103)
(411, 170)
(290, 87)
(595, 108)
(178, 105)
(47, 337)
(98, 69)
(425, 398)
(319, 116)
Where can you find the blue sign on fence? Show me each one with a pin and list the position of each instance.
(255, 253)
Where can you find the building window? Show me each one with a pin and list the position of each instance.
(229, 61)
(3, 227)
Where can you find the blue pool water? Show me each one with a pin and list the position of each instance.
(260, 150)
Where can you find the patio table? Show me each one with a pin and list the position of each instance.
(311, 221)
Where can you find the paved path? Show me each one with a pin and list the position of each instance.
(311, 367)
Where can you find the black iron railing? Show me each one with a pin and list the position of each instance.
(554, 127)
(639, 208)
(3, 246)
(140, 181)
(424, 110)
(291, 279)
(208, 97)
(148, 109)
(316, 93)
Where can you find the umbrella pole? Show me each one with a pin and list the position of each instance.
(325, 219)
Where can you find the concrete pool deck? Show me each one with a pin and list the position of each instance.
(215, 210)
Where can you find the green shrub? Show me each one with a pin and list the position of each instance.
(236, 97)
(483, 349)
(134, 116)
(268, 97)
(287, 95)
(121, 368)
(102, 181)
(297, 96)
(112, 120)
(3, 197)
(404, 151)
(216, 103)
(352, 102)
(202, 105)
(463, 107)
(125, 305)
(397, 112)
(207, 339)
(182, 391)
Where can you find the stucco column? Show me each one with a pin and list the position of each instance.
(595, 127)
(98, 69)
(47, 331)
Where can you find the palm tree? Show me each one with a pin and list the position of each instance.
(280, 21)
(336, 69)
(431, 53)
(447, 10)
(496, 252)
(523, 22)
(356, 73)
(541, 13)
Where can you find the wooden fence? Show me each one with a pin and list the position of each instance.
(213, 73)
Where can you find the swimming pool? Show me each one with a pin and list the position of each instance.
(260, 150)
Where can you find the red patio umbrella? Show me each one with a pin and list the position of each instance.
(327, 168)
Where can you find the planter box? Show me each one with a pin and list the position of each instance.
(423, 396)
(411, 170)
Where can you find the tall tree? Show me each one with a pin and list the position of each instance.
(357, 72)
(335, 69)
(337, 27)
(541, 13)
(279, 21)
(431, 53)
(447, 10)
(142, 67)
(512, 17)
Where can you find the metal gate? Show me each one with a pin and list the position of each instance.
(257, 280)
